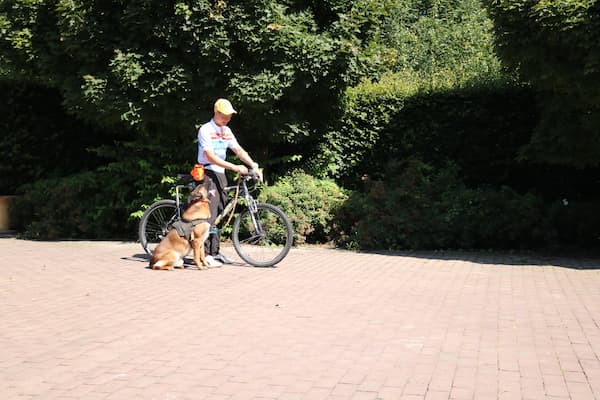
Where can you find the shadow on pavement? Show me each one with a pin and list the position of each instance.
(188, 262)
(140, 257)
(524, 258)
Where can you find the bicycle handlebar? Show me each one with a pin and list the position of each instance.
(255, 175)
(186, 179)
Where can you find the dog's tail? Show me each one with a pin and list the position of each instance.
(166, 260)
(157, 264)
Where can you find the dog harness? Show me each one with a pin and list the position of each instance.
(185, 228)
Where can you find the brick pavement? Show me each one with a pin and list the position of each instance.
(87, 320)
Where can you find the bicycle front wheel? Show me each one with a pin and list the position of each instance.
(156, 223)
(262, 238)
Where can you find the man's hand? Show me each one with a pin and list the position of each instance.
(260, 174)
(241, 169)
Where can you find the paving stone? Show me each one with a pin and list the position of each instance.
(89, 320)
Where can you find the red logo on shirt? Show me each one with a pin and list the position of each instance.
(221, 136)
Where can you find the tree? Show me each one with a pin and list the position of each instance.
(158, 66)
(555, 45)
(430, 36)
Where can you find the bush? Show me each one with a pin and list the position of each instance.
(424, 208)
(106, 203)
(99, 204)
(577, 223)
(78, 206)
(310, 204)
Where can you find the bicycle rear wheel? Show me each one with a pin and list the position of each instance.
(263, 238)
(156, 223)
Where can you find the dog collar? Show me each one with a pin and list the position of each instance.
(199, 201)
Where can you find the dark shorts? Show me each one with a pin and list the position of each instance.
(214, 182)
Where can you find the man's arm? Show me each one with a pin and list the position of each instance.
(245, 157)
(240, 169)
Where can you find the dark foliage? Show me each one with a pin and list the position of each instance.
(39, 140)
(555, 45)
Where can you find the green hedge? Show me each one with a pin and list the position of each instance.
(479, 126)
(443, 162)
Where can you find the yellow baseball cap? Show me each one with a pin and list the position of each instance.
(224, 107)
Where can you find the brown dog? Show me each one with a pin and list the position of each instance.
(170, 251)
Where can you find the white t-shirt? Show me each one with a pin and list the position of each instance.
(215, 138)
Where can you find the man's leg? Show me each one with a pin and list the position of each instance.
(215, 182)
(210, 185)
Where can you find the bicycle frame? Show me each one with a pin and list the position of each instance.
(244, 193)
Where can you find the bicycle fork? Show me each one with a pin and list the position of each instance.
(253, 209)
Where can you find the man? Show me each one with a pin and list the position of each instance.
(214, 138)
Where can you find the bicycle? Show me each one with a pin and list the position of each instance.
(262, 234)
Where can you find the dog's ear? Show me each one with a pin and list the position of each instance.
(198, 192)
(203, 192)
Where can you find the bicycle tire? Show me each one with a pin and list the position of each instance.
(269, 247)
(156, 223)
